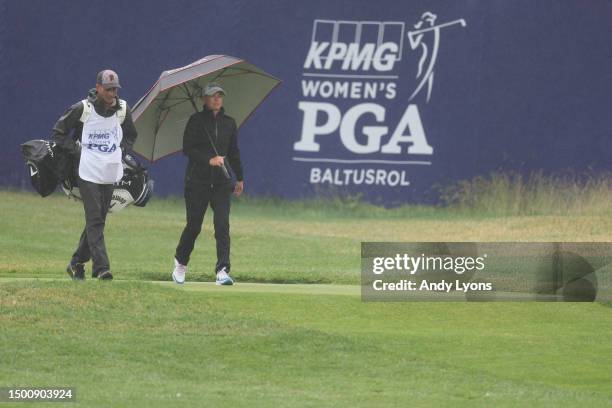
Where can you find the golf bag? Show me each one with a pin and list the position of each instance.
(49, 167)
(134, 188)
(44, 163)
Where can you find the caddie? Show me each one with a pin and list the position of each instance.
(98, 132)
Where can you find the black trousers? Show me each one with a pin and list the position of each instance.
(197, 198)
(96, 202)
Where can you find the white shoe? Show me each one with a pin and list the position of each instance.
(223, 278)
(178, 275)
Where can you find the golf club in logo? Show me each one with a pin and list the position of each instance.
(353, 82)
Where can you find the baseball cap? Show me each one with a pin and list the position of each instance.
(108, 79)
(212, 88)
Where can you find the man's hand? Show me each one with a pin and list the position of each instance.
(238, 189)
(131, 161)
(216, 161)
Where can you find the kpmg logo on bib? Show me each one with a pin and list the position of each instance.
(364, 84)
(103, 140)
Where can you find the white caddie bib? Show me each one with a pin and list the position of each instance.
(100, 149)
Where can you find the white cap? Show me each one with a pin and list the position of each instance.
(212, 88)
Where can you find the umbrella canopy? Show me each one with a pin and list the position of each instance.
(160, 116)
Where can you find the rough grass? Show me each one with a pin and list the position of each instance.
(505, 194)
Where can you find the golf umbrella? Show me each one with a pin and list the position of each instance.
(160, 116)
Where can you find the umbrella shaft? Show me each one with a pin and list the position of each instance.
(212, 143)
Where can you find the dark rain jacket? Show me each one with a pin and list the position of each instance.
(68, 128)
(201, 128)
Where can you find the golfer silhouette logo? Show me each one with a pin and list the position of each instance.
(419, 39)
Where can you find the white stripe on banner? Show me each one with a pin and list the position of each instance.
(357, 161)
(306, 74)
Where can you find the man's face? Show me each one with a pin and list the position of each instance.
(107, 95)
(215, 102)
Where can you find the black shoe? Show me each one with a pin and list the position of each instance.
(76, 271)
(105, 275)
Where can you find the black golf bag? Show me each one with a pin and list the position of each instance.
(49, 167)
(45, 164)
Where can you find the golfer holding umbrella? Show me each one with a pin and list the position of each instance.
(210, 141)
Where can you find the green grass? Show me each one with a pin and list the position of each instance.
(130, 344)
(282, 242)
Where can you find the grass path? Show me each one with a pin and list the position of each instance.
(300, 289)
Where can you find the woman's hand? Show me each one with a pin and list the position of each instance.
(216, 161)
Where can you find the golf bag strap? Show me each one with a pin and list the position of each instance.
(88, 107)
(122, 112)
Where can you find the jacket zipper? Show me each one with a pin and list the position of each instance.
(216, 132)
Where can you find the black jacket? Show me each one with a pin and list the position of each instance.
(201, 128)
(69, 121)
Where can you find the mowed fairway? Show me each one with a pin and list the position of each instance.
(132, 343)
(129, 344)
